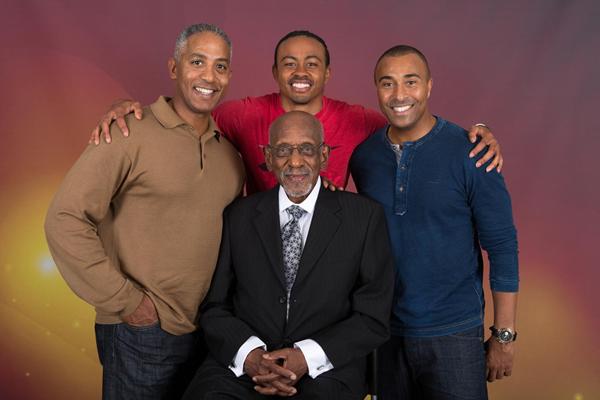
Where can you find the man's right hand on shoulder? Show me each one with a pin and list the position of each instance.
(117, 112)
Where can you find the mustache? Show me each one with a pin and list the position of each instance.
(301, 79)
(399, 103)
(289, 171)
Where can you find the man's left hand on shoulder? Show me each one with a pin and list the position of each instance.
(499, 358)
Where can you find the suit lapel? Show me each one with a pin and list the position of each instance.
(266, 223)
(323, 226)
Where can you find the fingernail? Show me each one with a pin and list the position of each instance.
(478, 164)
(293, 377)
(107, 140)
(126, 133)
(471, 155)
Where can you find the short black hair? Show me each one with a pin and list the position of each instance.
(305, 34)
(401, 50)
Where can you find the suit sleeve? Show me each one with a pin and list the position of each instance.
(223, 331)
(368, 325)
(81, 203)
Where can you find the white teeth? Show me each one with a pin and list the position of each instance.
(402, 109)
(299, 85)
(204, 90)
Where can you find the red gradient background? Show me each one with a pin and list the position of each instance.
(527, 69)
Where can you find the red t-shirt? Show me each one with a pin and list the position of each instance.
(246, 124)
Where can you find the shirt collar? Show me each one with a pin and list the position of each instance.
(168, 118)
(307, 205)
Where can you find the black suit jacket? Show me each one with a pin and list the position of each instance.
(341, 296)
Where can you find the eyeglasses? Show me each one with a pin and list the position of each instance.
(286, 150)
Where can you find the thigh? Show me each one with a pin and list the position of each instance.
(455, 367)
(324, 388)
(143, 362)
(214, 381)
(394, 371)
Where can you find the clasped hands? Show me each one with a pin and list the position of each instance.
(276, 372)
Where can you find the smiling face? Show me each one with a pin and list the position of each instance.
(296, 173)
(301, 73)
(403, 88)
(201, 75)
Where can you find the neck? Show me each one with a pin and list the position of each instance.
(199, 121)
(312, 107)
(399, 135)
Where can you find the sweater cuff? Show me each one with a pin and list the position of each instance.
(134, 301)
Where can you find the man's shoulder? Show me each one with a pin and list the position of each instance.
(248, 103)
(241, 206)
(453, 133)
(352, 204)
(373, 143)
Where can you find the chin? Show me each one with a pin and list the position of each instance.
(297, 192)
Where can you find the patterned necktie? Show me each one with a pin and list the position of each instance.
(291, 238)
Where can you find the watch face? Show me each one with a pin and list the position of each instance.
(505, 335)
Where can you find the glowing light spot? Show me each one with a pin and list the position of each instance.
(46, 264)
(27, 374)
(83, 349)
(13, 300)
(75, 324)
(578, 396)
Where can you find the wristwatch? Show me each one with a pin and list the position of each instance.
(503, 335)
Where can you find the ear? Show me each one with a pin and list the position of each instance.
(327, 73)
(172, 65)
(429, 86)
(268, 158)
(274, 72)
(324, 156)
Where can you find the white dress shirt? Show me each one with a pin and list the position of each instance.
(316, 359)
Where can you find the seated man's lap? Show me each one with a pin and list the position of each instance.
(215, 381)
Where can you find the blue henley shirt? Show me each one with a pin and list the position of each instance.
(441, 210)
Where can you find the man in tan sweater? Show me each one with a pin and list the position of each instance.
(135, 229)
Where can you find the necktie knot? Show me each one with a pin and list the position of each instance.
(295, 212)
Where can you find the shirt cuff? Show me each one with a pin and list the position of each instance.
(237, 365)
(315, 357)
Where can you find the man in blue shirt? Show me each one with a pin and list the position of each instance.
(441, 210)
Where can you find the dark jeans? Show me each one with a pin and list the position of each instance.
(146, 362)
(434, 368)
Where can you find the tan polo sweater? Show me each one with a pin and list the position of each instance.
(143, 214)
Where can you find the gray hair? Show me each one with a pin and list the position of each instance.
(198, 28)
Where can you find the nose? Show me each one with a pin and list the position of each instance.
(296, 159)
(208, 74)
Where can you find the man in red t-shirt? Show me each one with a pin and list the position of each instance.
(301, 69)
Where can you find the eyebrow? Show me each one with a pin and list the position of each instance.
(296, 59)
(403, 76)
(201, 55)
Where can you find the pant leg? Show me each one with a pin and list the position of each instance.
(394, 372)
(214, 381)
(141, 362)
(451, 367)
(324, 388)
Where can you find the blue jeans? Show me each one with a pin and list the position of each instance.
(145, 362)
(433, 368)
